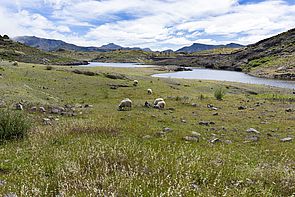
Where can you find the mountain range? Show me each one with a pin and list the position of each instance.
(54, 45)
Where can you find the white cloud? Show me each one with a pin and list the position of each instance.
(146, 23)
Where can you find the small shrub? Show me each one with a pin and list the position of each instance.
(48, 67)
(219, 93)
(13, 125)
(202, 97)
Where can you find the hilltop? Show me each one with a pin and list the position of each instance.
(15, 51)
(201, 47)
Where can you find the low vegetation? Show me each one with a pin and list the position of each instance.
(219, 93)
(13, 125)
(81, 145)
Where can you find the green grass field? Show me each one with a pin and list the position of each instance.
(106, 152)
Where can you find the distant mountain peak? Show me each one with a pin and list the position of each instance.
(111, 46)
(201, 47)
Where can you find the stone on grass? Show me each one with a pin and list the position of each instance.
(286, 139)
(215, 140)
(42, 109)
(253, 138)
(206, 123)
(191, 138)
(2, 104)
(167, 129)
(33, 109)
(2, 182)
(252, 130)
(19, 106)
(242, 107)
(196, 134)
(147, 137)
(46, 121)
(10, 195)
(160, 133)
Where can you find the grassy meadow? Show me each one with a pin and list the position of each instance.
(100, 151)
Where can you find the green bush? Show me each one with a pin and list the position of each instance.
(13, 125)
(48, 67)
(219, 93)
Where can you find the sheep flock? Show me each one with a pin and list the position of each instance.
(126, 104)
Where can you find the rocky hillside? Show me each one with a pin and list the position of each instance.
(272, 58)
(201, 47)
(53, 45)
(15, 51)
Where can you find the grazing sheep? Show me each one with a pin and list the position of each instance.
(125, 104)
(149, 91)
(15, 63)
(135, 83)
(158, 100)
(160, 105)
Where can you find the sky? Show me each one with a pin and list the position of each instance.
(156, 24)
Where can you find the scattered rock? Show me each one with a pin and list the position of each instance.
(194, 104)
(228, 142)
(19, 106)
(55, 111)
(147, 137)
(42, 109)
(206, 123)
(287, 139)
(147, 104)
(215, 140)
(210, 106)
(242, 107)
(251, 130)
(160, 133)
(33, 109)
(183, 121)
(196, 134)
(2, 182)
(289, 110)
(167, 129)
(88, 106)
(46, 121)
(2, 104)
(10, 195)
(191, 138)
(215, 114)
(253, 138)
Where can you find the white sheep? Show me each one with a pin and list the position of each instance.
(157, 101)
(125, 104)
(149, 91)
(160, 105)
(135, 82)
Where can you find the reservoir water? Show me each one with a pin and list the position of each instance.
(232, 76)
(205, 74)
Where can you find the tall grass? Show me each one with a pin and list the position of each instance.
(219, 93)
(13, 125)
